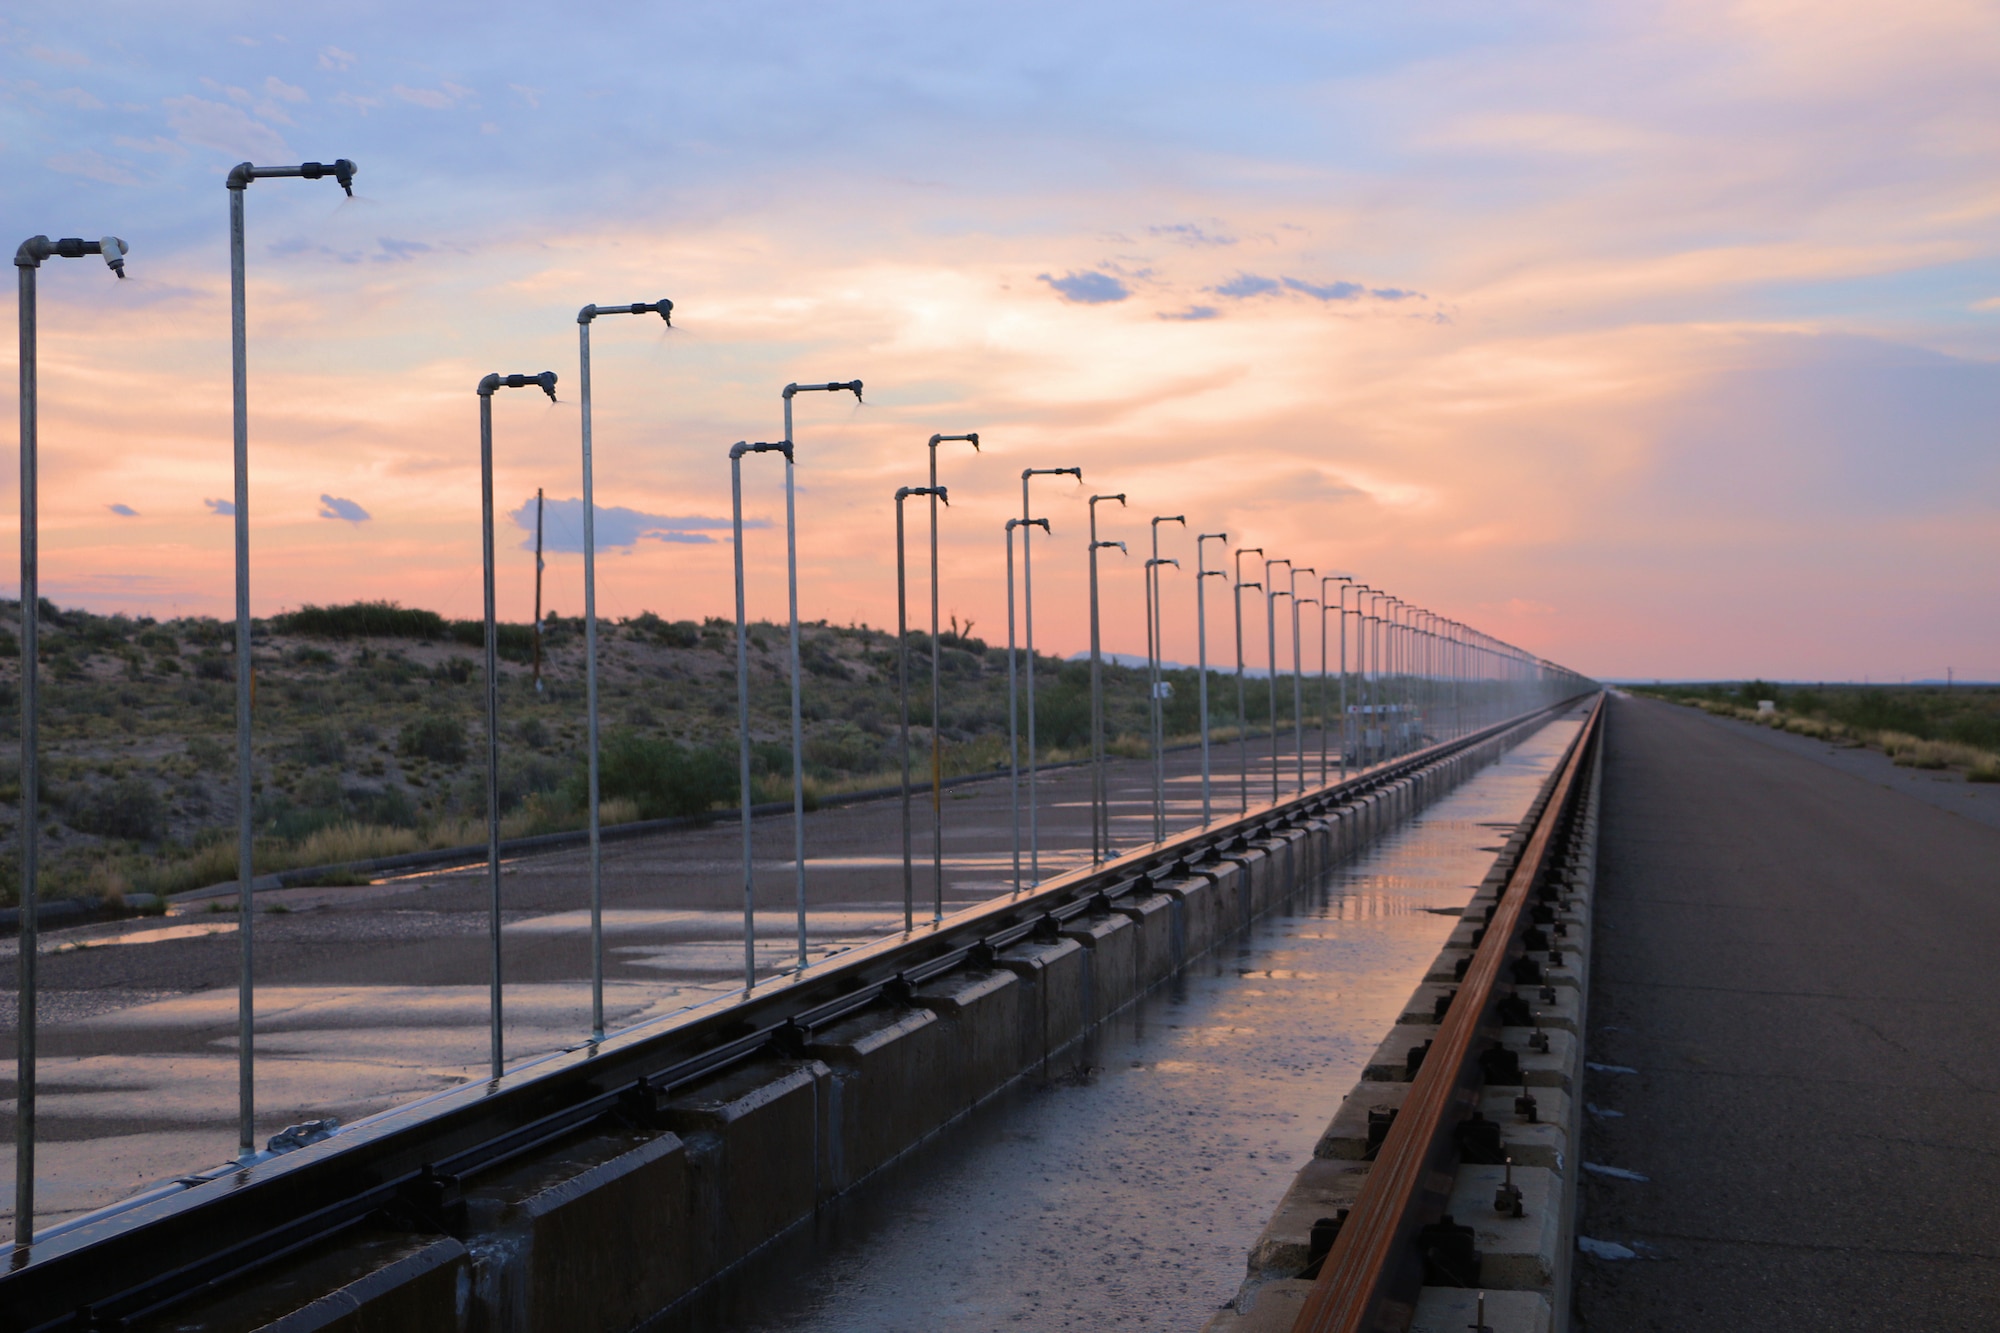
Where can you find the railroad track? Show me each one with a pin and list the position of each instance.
(1396, 1238)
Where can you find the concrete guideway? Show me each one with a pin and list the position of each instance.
(373, 996)
(1443, 1190)
(1796, 967)
(937, 1013)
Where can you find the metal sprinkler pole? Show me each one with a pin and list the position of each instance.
(1297, 675)
(27, 261)
(1201, 650)
(792, 590)
(903, 696)
(1340, 608)
(743, 689)
(1028, 628)
(1271, 595)
(584, 318)
(546, 382)
(238, 180)
(1156, 633)
(1155, 651)
(1298, 693)
(937, 683)
(1100, 810)
(1242, 710)
(1014, 696)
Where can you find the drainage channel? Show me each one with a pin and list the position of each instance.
(1122, 1187)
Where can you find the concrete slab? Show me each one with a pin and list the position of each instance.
(982, 1012)
(1456, 1309)
(373, 1280)
(1262, 1307)
(753, 1139)
(1321, 1189)
(1051, 997)
(1543, 1142)
(1517, 1252)
(1346, 1135)
(884, 1065)
(1112, 945)
(593, 1233)
(1160, 947)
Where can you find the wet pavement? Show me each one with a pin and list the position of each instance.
(372, 996)
(1125, 1189)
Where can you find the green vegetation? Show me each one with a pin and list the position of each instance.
(1918, 726)
(370, 731)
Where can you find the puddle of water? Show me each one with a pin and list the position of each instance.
(1125, 1190)
(155, 935)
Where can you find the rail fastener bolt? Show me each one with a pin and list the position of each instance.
(1507, 1198)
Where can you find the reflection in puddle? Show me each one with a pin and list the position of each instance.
(154, 936)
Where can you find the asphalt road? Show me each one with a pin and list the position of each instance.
(1797, 966)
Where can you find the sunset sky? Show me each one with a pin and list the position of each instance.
(1661, 339)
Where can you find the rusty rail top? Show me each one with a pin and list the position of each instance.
(1369, 1280)
(164, 1246)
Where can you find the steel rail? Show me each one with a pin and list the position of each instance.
(1369, 1281)
(124, 1263)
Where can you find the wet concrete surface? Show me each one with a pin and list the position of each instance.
(1124, 1188)
(372, 996)
(1793, 1030)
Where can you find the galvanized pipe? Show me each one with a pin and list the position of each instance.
(1028, 627)
(237, 182)
(1271, 596)
(792, 592)
(1014, 695)
(1156, 631)
(1100, 809)
(490, 384)
(937, 679)
(584, 317)
(25, 1053)
(903, 698)
(1298, 693)
(1203, 573)
(1242, 709)
(736, 452)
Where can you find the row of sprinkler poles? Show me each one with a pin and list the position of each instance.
(1383, 645)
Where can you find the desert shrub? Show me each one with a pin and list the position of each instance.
(455, 670)
(321, 745)
(362, 620)
(127, 808)
(435, 736)
(515, 643)
(208, 754)
(815, 658)
(845, 748)
(1062, 714)
(523, 776)
(214, 666)
(389, 806)
(660, 777)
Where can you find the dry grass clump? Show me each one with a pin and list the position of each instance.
(1905, 750)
